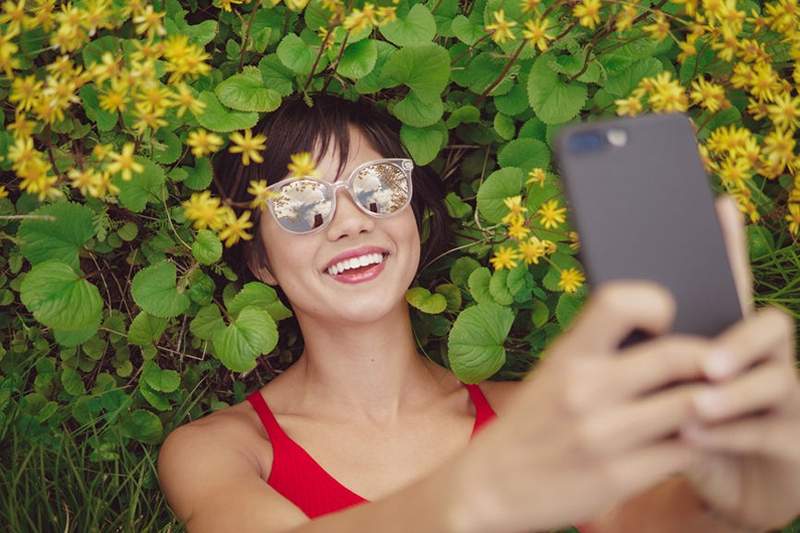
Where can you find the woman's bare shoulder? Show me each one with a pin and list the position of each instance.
(498, 393)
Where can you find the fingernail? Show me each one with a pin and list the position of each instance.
(719, 364)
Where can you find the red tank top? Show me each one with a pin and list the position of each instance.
(301, 480)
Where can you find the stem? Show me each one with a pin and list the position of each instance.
(336, 62)
(319, 55)
(502, 75)
(246, 39)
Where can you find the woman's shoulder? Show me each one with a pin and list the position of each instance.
(498, 393)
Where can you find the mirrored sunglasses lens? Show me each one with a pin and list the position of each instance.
(302, 205)
(381, 188)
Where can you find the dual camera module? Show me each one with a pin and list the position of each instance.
(595, 140)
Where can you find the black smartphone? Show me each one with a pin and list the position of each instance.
(643, 208)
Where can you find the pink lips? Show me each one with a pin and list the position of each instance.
(355, 252)
(349, 276)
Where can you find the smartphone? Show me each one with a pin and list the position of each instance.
(643, 208)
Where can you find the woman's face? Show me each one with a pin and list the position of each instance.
(299, 261)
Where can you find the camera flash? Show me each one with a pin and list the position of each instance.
(617, 137)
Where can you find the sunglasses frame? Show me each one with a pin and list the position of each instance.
(406, 165)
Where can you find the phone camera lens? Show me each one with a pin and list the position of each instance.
(587, 141)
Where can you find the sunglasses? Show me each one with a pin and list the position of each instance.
(380, 188)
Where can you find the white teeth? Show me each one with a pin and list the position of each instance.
(355, 262)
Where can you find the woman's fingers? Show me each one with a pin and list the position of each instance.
(733, 232)
(769, 332)
(764, 387)
(615, 309)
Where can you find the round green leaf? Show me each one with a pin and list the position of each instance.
(207, 248)
(206, 322)
(452, 294)
(498, 186)
(261, 296)
(128, 231)
(423, 143)
(498, 287)
(147, 186)
(296, 54)
(478, 283)
(154, 290)
(72, 382)
(525, 154)
(59, 298)
(418, 112)
(60, 238)
(143, 426)
(422, 299)
(217, 118)
(418, 26)
(475, 344)
(504, 126)
(425, 68)
(358, 59)
(540, 313)
(567, 307)
(252, 333)
(159, 379)
(461, 269)
(553, 100)
(146, 329)
(246, 92)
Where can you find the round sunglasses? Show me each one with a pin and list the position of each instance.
(305, 204)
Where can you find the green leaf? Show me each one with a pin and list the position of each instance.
(262, 296)
(60, 238)
(417, 112)
(200, 175)
(475, 343)
(498, 287)
(358, 59)
(423, 143)
(72, 382)
(206, 322)
(478, 283)
(146, 329)
(246, 92)
(422, 299)
(148, 186)
(567, 307)
(466, 31)
(154, 290)
(166, 147)
(540, 313)
(425, 68)
(105, 120)
(461, 269)
(153, 397)
(159, 379)
(504, 126)
(276, 75)
(207, 248)
(59, 298)
(296, 54)
(456, 207)
(553, 100)
(626, 80)
(217, 118)
(560, 262)
(462, 115)
(759, 241)
(128, 231)
(514, 102)
(143, 426)
(499, 185)
(524, 153)
(252, 333)
(452, 294)
(418, 26)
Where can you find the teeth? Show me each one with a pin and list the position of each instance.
(355, 262)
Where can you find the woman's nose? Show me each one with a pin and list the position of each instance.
(348, 219)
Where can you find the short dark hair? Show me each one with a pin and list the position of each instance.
(295, 127)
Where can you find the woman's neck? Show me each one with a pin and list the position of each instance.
(365, 373)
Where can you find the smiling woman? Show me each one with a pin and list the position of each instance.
(363, 433)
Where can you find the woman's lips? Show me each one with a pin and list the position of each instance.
(352, 276)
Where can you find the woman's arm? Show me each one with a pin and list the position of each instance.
(212, 487)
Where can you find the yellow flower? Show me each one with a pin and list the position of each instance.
(226, 4)
(204, 211)
(659, 29)
(588, 13)
(235, 228)
(504, 257)
(532, 250)
(778, 148)
(13, 14)
(302, 165)
(501, 28)
(25, 90)
(249, 146)
(688, 48)
(386, 14)
(185, 101)
(149, 22)
(536, 175)
(667, 95)
(514, 205)
(22, 127)
(203, 143)
(529, 6)
(518, 231)
(794, 218)
(631, 106)
(3, 191)
(785, 112)
(625, 17)
(114, 98)
(536, 34)
(184, 59)
(358, 19)
(261, 193)
(551, 214)
(709, 95)
(124, 162)
(570, 279)
(764, 81)
(296, 5)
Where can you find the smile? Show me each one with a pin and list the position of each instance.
(359, 269)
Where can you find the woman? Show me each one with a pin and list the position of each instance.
(362, 433)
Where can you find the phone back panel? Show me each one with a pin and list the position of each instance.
(645, 210)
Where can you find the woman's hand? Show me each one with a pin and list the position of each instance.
(751, 477)
(580, 436)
